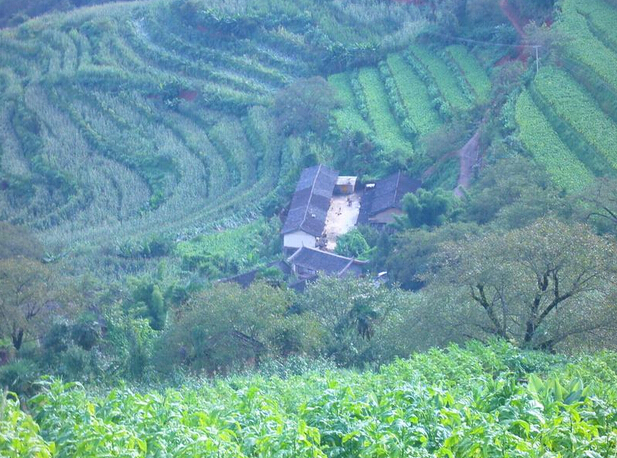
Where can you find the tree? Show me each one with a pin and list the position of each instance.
(503, 184)
(538, 286)
(350, 312)
(408, 260)
(599, 205)
(352, 244)
(427, 208)
(228, 326)
(27, 297)
(304, 106)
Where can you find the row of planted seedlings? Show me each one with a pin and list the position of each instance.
(579, 109)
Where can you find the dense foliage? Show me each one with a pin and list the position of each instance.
(148, 151)
(479, 401)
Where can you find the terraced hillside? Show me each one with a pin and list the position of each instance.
(404, 99)
(113, 124)
(568, 119)
(126, 119)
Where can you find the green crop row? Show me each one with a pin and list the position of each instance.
(347, 117)
(584, 46)
(579, 109)
(466, 403)
(414, 95)
(437, 100)
(539, 138)
(603, 18)
(396, 103)
(386, 128)
(472, 71)
(444, 78)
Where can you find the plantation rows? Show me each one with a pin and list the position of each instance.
(123, 118)
(409, 96)
(137, 123)
(568, 118)
(483, 401)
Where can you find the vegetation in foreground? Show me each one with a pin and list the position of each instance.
(481, 401)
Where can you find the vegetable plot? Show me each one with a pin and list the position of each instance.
(573, 104)
(414, 95)
(483, 401)
(540, 139)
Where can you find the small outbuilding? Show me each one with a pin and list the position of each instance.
(345, 185)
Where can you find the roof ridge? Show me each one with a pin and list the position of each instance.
(293, 255)
(398, 180)
(327, 253)
(308, 204)
(341, 272)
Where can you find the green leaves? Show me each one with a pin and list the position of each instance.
(540, 139)
(461, 403)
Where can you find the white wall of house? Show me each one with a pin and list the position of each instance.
(298, 239)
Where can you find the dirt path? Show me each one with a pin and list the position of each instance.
(469, 156)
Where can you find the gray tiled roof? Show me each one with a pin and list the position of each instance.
(310, 203)
(247, 278)
(386, 194)
(321, 261)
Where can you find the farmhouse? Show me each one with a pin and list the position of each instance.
(381, 200)
(306, 219)
(309, 262)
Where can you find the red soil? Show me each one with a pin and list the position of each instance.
(189, 96)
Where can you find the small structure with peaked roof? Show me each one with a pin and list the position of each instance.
(306, 218)
(309, 262)
(381, 200)
(246, 279)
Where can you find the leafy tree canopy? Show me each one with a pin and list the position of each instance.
(538, 286)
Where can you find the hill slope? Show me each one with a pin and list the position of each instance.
(127, 120)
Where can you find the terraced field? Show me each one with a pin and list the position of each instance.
(568, 119)
(472, 71)
(450, 85)
(539, 137)
(128, 119)
(381, 117)
(115, 126)
(400, 102)
(414, 96)
(348, 117)
(591, 29)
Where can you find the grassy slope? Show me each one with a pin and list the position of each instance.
(483, 401)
